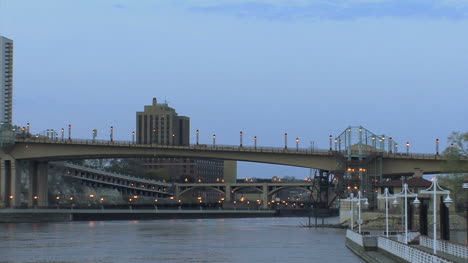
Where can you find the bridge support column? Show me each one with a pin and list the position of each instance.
(227, 195)
(38, 185)
(10, 179)
(265, 196)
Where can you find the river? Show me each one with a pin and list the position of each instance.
(185, 240)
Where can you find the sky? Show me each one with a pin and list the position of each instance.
(308, 68)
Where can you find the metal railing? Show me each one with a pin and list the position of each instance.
(355, 237)
(407, 252)
(445, 246)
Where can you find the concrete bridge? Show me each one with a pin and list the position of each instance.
(228, 190)
(33, 154)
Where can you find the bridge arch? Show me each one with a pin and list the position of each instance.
(181, 193)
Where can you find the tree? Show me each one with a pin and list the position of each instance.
(456, 167)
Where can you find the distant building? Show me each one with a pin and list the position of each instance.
(160, 124)
(6, 80)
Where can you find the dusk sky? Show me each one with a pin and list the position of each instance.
(308, 68)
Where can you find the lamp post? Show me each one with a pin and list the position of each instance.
(133, 137)
(285, 141)
(435, 189)
(214, 140)
(69, 132)
(94, 135)
(407, 148)
(198, 136)
(241, 134)
(27, 128)
(405, 193)
(437, 146)
(255, 142)
(359, 198)
(390, 144)
(112, 133)
(386, 196)
(297, 144)
(331, 139)
(63, 133)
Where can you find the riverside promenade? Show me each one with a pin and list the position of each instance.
(376, 248)
(65, 215)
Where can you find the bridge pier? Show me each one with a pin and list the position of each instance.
(10, 176)
(264, 196)
(38, 185)
(228, 194)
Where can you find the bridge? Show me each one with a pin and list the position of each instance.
(357, 156)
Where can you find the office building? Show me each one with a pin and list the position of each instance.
(6, 80)
(160, 124)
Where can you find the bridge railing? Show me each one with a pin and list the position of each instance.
(445, 246)
(220, 147)
(408, 253)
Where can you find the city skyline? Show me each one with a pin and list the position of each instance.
(271, 68)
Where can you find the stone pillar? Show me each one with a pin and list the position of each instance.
(227, 196)
(32, 170)
(265, 196)
(3, 189)
(177, 192)
(42, 184)
(16, 170)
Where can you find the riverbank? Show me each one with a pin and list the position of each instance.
(66, 215)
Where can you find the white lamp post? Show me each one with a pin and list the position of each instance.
(406, 193)
(357, 199)
(386, 196)
(435, 189)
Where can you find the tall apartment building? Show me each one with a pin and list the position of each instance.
(6, 80)
(160, 124)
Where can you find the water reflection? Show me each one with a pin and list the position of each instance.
(207, 240)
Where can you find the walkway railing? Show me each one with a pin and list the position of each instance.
(355, 237)
(408, 253)
(411, 236)
(448, 247)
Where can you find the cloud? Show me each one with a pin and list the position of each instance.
(337, 10)
(119, 6)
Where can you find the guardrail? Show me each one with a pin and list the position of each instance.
(448, 247)
(408, 253)
(355, 237)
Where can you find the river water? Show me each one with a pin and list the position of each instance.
(184, 240)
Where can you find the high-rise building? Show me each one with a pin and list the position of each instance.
(6, 80)
(160, 124)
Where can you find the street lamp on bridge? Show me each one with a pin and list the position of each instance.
(297, 144)
(69, 132)
(214, 140)
(285, 141)
(437, 146)
(255, 142)
(112, 133)
(133, 137)
(63, 133)
(331, 140)
(407, 148)
(198, 136)
(241, 134)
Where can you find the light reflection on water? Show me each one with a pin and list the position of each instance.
(198, 240)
